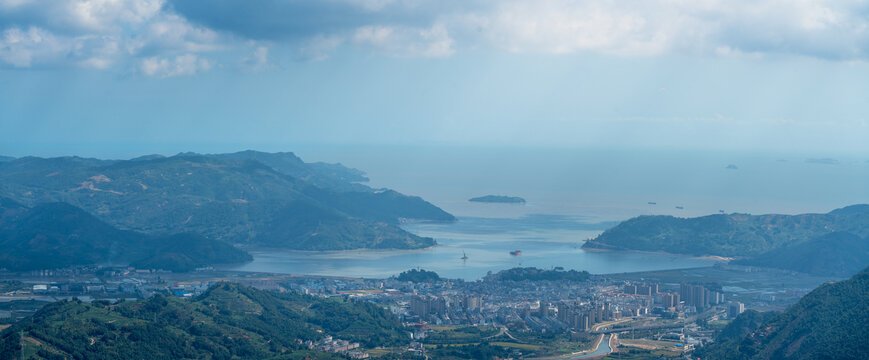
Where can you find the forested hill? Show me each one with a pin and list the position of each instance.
(56, 235)
(727, 342)
(838, 254)
(229, 321)
(828, 323)
(274, 200)
(803, 238)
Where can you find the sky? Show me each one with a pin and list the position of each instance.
(115, 76)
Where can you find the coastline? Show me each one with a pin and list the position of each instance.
(660, 252)
(274, 249)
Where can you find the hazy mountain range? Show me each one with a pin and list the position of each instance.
(245, 198)
(57, 235)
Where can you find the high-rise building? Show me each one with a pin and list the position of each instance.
(645, 289)
(670, 300)
(699, 296)
(472, 302)
(424, 306)
(734, 309)
(420, 306)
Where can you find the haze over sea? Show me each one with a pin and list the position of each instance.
(571, 195)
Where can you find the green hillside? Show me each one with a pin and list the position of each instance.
(57, 235)
(728, 342)
(535, 274)
(322, 175)
(796, 242)
(231, 197)
(837, 254)
(229, 321)
(828, 323)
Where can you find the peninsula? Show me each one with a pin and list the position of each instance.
(825, 244)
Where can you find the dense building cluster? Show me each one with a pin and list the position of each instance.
(540, 305)
(332, 345)
(699, 297)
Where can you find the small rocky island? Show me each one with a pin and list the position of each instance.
(498, 199)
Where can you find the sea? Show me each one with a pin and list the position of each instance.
(571, 195)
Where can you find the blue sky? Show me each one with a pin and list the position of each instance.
(787, 76)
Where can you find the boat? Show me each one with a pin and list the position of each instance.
(516, 252)
(680, 207)
(652, 203)
(464, 256)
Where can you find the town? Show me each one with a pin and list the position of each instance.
(646, 314)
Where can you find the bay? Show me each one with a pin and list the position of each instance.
(546, 241)
(571, 195)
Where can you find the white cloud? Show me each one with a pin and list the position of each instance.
(98, 52)
(182, 65)
(39, 47)
(101, 34)
(170, 32)
(84, 16)
(101, 15)
(654, 27)
(258, 60)
(106, 34)
(404, 41)
(22, 48)
(319, 47)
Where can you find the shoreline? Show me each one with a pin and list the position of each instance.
(274, 249)
(660, 252)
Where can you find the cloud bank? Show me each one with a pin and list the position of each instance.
(166, 38)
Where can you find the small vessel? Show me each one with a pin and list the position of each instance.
(464, 256)
(652, 203)
(680, 207)
(516, 252)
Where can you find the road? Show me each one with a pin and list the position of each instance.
(502, 331)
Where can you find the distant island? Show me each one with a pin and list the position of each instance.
(498, 199)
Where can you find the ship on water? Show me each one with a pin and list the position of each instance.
(516, 252)
(464, 256)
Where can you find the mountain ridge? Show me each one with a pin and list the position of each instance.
(227, 321)
(827, 323)
(57, 235)
(229, 197)
(746, 237)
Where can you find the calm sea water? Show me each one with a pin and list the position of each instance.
(487, 244)
(572, 195)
